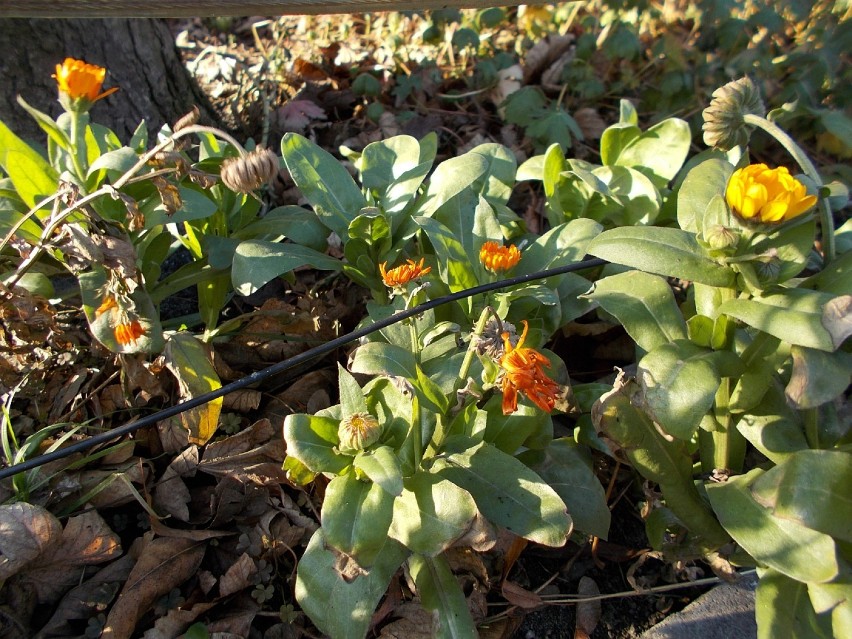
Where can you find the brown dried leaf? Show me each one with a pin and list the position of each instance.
(237, 621)
(177, 620)
(590, 122)
(243, 400)
(238, 498)
(521, 597)
(118, 491)
(257, 451)
(415, 622)
(543, 53)
(26, 531)
(88, 599)
(193, 534)
(588, 610)
(169, 194)
(86, 540)
(171, 494)
(238, 576)
(163, 564)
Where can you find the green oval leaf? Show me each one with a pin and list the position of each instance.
(382, 467)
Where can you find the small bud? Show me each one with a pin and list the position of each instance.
(769, 266)
(721, 237)
(249, 172)
(357, 432)
(724, 126)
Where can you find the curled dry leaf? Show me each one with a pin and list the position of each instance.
(163, 564)
(588, 609)
(256, 451)
(544, 53)
(171, 494)
(177, 620)
(238, 576)
(26, 531)
(243, 400)
(521, 597)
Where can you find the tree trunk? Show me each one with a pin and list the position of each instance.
(140, 58)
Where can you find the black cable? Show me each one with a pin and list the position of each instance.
(171, 411)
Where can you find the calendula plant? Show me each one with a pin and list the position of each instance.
(418, 461)
(753, 359)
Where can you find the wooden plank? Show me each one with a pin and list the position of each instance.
(200, 8)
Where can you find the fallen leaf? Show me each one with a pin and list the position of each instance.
(415, 622)
(237, 622)
(244, 400)
(521, 597)
(164, 563)
(86, 540)
(175, 622)
(171, 494)
(588, 610)
(117, 491)
(238, 576)
(25, 532)
(297, 115)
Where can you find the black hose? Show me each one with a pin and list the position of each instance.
(171, 411)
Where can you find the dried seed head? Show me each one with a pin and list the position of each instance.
(724, 126)
(249, 172)
(187, 120)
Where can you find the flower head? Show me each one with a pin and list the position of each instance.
(402, 275)
(250, 171)
(760, 194)
(80, 84)
(498, 258)
(523, 371)
(358, 431)
(724, 125)
(128, 333)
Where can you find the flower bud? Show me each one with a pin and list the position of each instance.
(724, 126)
(357, 432)
(721, 237)
(249, 172)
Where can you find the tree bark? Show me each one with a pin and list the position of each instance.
(140, 58)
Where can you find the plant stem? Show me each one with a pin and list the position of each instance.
(471, 348)
(78, 146)
(725, 447)
(811, 417)
(826, 219)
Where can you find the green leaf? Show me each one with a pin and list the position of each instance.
(662, 149)
(48, 125)
(810, 488)
(351, 396)
(614, 140)
(431, 514)
(187, 359)
(440, 592)
(799, 316)
(817, 377)
(340, 606)
(355, 518)
(659, 459)
(508, 493)
(645, 306)
(561, 245)
(634, 196)
(383, 163)
(31, 174)
(790, 548)
(257, 262)
(377, 358)
(703, 182)
(498, 180)
(294, 222)
(313, 441)
(455, 268)
(784, 611)
(509, 432)
(679, 381)
(382, 467)
(773, 428)
(120, 160)
(567, 468)
(450, 178)
(835, 278)
(834, 597)
(664, 251)
(324, 182)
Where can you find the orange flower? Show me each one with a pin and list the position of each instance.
(81, 82)
(108, 304)
(523, 371)
(498, 258)
(128, 333)
(402, 275)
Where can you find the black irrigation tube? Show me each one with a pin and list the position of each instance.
(171, 411)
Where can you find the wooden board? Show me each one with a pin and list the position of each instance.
(189, 8)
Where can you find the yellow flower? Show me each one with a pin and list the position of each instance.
(80, 83)
(761, 194)
(523, 371)
(402, 275)
(497, 258)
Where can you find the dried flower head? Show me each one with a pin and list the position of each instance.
(498, 258)
(724, 126)
(402, 275)
(80, 84)
(490, 342)
(358, 431)
(759, 194)
(129, 332)
(523, 371)
(249, 172)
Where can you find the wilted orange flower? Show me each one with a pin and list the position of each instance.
(128, 333)
(523, 371)
(498, 258)
(402, 275)
(81, 81)
(108, 304)
(761, 194)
